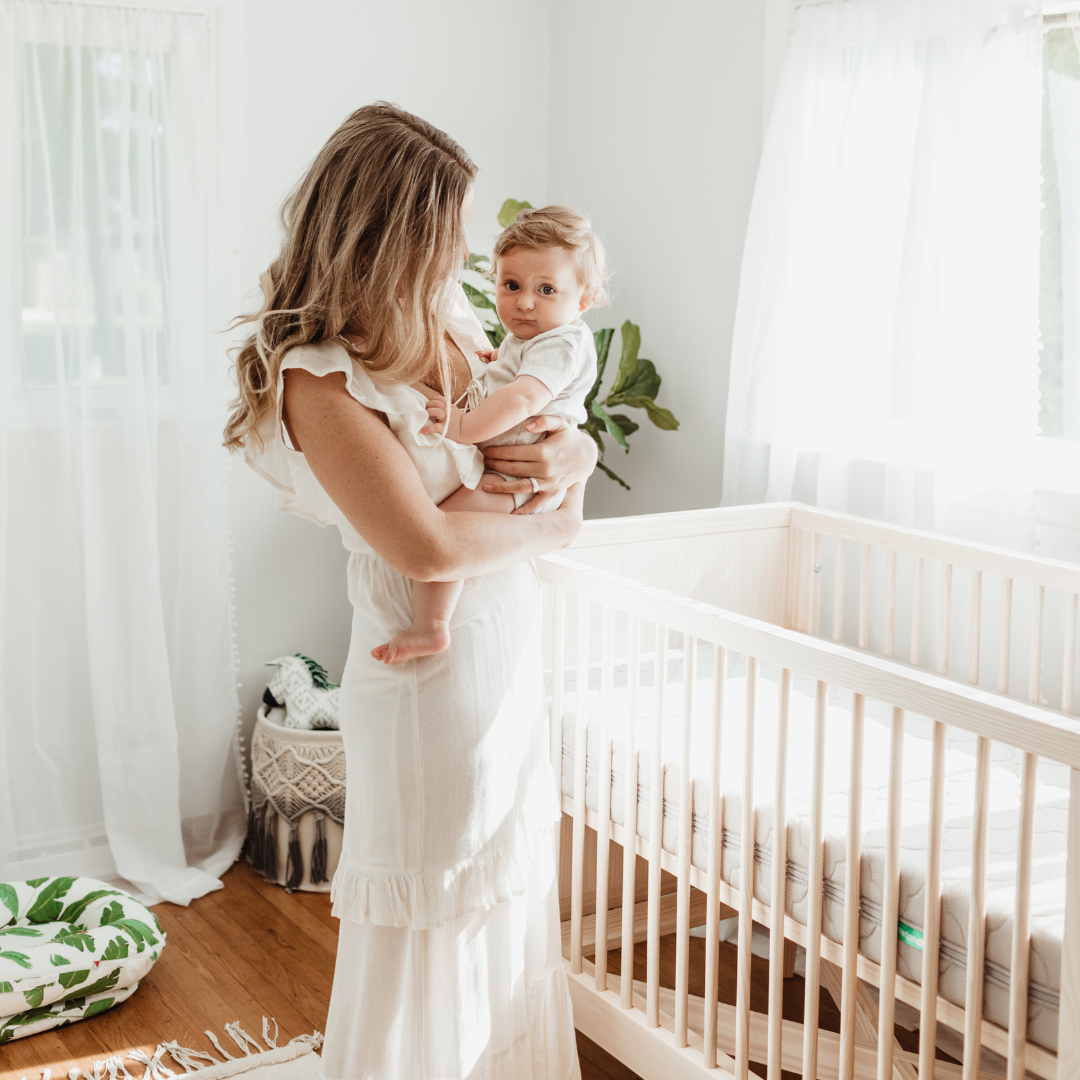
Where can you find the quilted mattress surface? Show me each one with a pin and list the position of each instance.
(1048, 888)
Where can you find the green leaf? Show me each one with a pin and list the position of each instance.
(47, 906)
(17, 958)
(117, 949)
(510, 210)
(96, 1007)
(35, 882)
(477, 262)
(618, 479)
(5, 988)
(23, 1019)
(478, 298)
(496, 332)
(613, 429)
(138, 930)
(68, 979)
(74, 912)
(631, 342)
(76, 937)
(643, 382)
(9, 898)
(602, 338)
(34, 997)
(661, 417)
(99, 987)
(21, 931)
(57, 960)
(628, 426)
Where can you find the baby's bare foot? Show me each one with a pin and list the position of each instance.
(425, 639)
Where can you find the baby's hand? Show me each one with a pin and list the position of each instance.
(443, 419)
(489, 356)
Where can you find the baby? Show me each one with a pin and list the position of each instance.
(549, 267)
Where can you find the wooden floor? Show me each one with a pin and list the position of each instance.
(247, 951)
(252, 950)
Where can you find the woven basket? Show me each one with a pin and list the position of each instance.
(297, 805)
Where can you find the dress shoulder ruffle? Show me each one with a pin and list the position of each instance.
(443, 465)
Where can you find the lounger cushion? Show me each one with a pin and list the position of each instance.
(70, 948)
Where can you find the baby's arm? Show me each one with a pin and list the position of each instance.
(506, 408)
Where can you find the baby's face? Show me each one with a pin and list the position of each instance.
(537, 290)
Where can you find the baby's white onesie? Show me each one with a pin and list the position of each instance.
(564, 360)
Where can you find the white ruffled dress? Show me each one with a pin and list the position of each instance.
(449, 954)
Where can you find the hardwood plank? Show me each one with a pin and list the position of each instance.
(247, 951)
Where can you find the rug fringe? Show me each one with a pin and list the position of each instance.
(113, 1068)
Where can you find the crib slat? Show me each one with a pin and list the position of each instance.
(716, 828)
(1018, 968)
(1038, 598)
(890, 603)
(975, 627)
(746, 880)
(838, 593)
(932, 907)
(558, 677)
(1069, 1008)
(851, 895)
(945, 625)
(976, 934)
(812, 991)
(1068, 660)
(1004, 657)
(581, 694)
(656, 835)
(916, 612)
(864, 598)
(816, 575)
(890, 908)
(603, 802)
(777, 897)
(686, 814)
(633, 662)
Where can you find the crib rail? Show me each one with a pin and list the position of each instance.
(599, 621)
(999, 619)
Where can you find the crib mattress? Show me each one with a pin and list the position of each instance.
(1048, 884)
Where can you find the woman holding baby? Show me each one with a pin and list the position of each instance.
(364, 359)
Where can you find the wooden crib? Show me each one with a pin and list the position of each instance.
(686, 658)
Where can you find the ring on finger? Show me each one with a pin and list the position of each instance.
(535, 484)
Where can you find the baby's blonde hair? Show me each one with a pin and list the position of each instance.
(561, 227)
(373, 236)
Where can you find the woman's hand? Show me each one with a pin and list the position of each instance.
(567, 457)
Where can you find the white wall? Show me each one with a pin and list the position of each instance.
(656, 130)
(649, 118)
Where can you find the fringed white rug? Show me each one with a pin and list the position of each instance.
(296, 1060)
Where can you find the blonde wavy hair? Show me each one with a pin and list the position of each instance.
(561, 227)
(373, 237)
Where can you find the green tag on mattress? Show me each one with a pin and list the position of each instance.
(909, 935)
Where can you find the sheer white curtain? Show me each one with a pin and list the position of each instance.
(117, 692)
(885, 358)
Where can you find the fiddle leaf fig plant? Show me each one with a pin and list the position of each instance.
(636, 383)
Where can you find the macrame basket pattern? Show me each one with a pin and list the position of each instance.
(297, 812)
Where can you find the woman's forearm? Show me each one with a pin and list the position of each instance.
(473, 544)
(367, 473)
